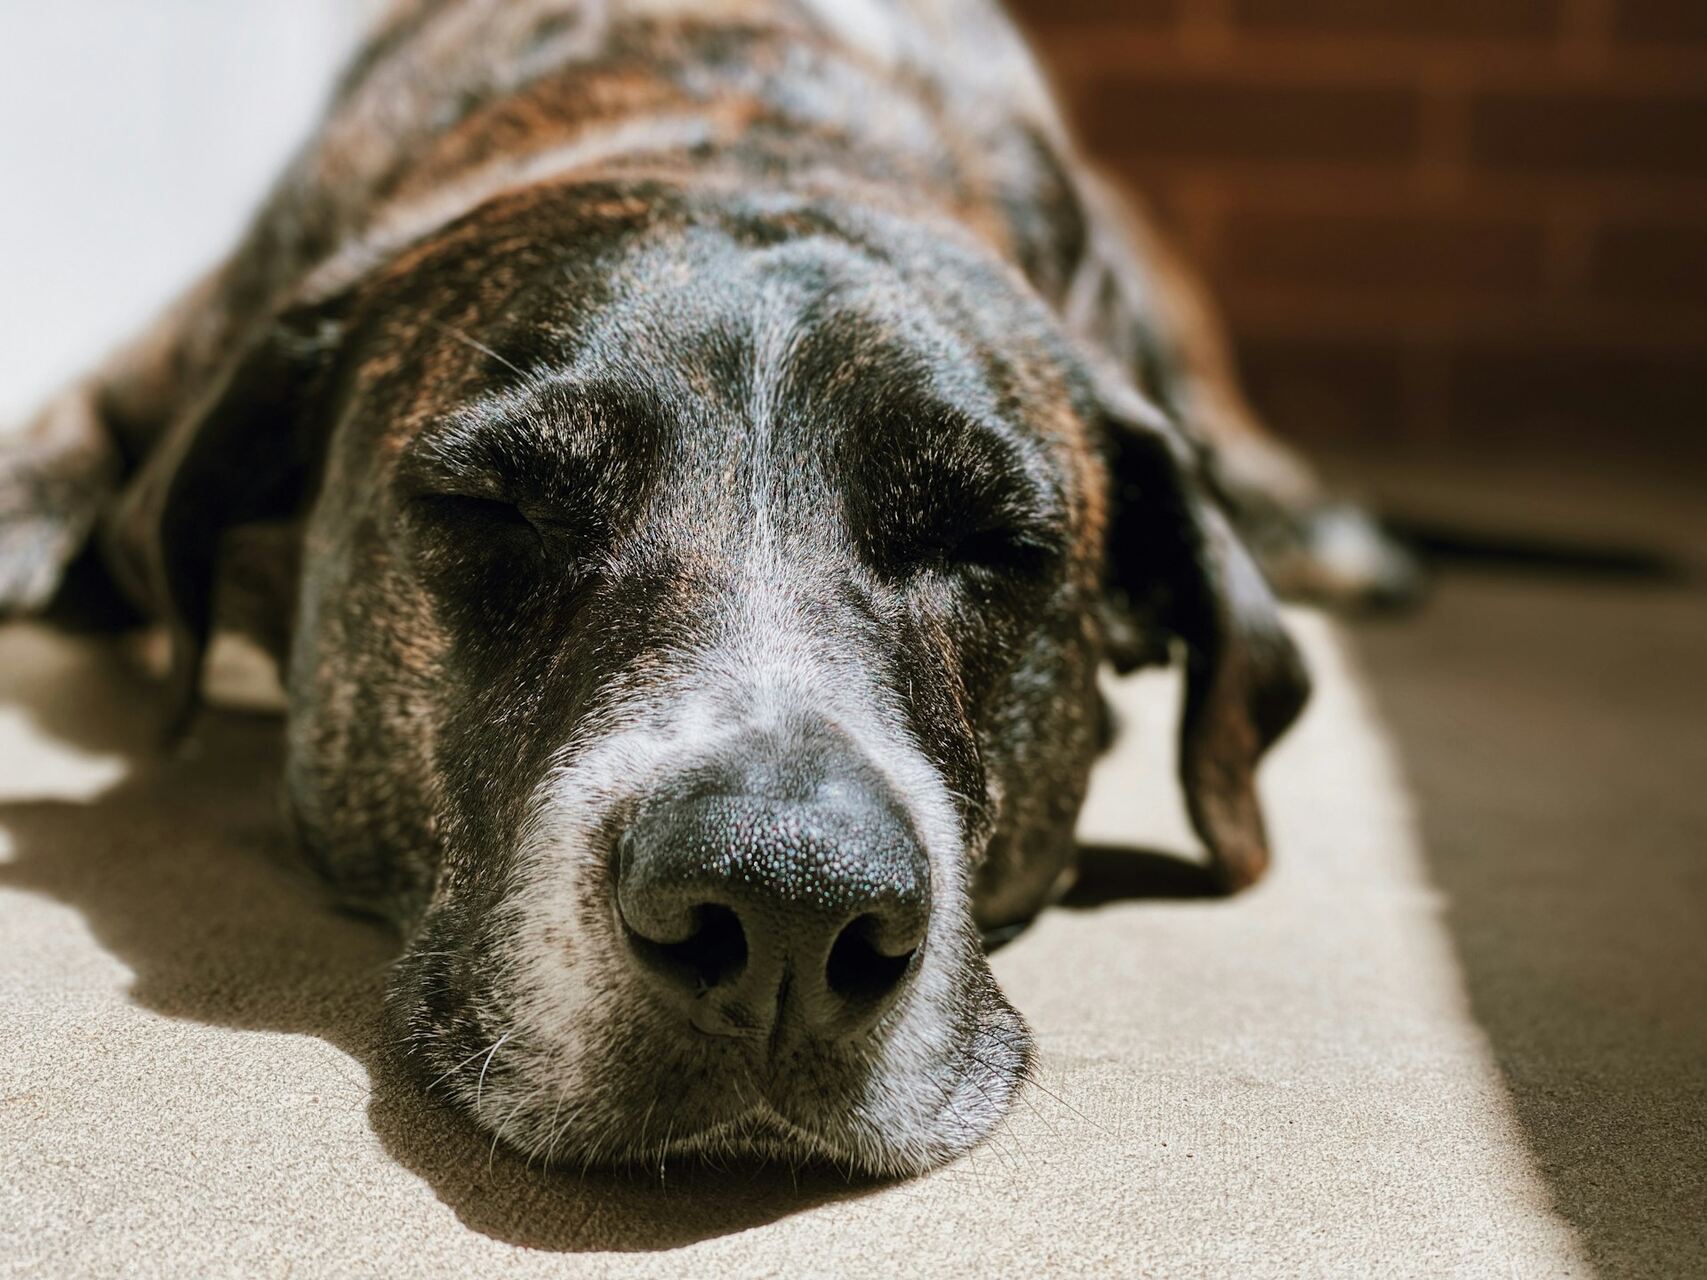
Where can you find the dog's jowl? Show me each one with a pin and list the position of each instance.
(690, 461)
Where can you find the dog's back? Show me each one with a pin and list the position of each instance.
(451, 103)
(930, 101)
(933, 105)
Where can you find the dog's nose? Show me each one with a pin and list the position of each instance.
(753, 905)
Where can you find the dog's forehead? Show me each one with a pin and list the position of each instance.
(711, 352)
(724, 315)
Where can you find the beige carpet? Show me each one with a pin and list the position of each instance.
(1554, 729)
(1480, 1053)
(1290, 1083)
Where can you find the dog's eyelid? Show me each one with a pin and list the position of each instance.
(1005, 538)
(1023, 503)
(550, 519)
(985, 504)
(429, 467)
(448, 506)
(1019, 543)
(493, 505)
(428, 472)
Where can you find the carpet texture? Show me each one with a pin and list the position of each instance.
(191, 1083)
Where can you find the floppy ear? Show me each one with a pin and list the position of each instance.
(1177, 570)
(246, 453)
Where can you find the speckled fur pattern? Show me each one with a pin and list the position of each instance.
(618, 379)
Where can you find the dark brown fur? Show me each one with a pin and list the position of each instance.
(591, 220)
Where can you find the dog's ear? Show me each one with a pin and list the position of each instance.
(1178, 573)
(248, 453)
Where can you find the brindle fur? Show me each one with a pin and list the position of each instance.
(563, 303)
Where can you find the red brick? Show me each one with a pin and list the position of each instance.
(1635, 397)
(1399, 253)
(1668, 20)
(1430, 19)
(1577, 132)
(1221, 119)
(1325, 389)
(1333, 286)
(1663, 263)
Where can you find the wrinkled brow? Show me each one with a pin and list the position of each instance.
(546, 440)
(935, 456)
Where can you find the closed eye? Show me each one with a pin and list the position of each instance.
(989, 551)
(486, 545)
(465, 515)
(557, 469)
(970, 519)
(1004, 547)
(463, 506)
(937, 491)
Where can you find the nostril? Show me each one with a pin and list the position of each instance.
(857, 970)
(714, 953)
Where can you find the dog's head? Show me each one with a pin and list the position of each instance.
(695, 643)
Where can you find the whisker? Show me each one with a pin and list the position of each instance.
(1038, 1084)
(492, 1154)
(476, 344)
(458, 1067)
(486, 1066)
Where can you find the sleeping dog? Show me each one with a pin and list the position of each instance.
(690, 459)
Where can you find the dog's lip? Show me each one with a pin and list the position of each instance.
(758, 1130)
(770, 1082)
(754, 1035)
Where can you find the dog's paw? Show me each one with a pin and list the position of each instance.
(56, 477)
(1313, 544)
(35, 549)
(1338, 555)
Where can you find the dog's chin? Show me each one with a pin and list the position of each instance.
(636, 1096)
(898, 1127)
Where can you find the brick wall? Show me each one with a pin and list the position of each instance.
(1428, 220)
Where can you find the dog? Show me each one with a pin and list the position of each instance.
(690, 460)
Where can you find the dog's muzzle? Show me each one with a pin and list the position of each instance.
(779, 893)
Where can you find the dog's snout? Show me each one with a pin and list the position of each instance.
(749, 905)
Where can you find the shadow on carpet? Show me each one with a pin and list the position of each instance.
(182, 872)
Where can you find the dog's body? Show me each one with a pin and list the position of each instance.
(727, 426)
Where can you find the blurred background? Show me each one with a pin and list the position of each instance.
(1473, 222)
(1432, 223)
(136, 139)
(1462, 245)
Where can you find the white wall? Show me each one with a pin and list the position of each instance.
(135, 136)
